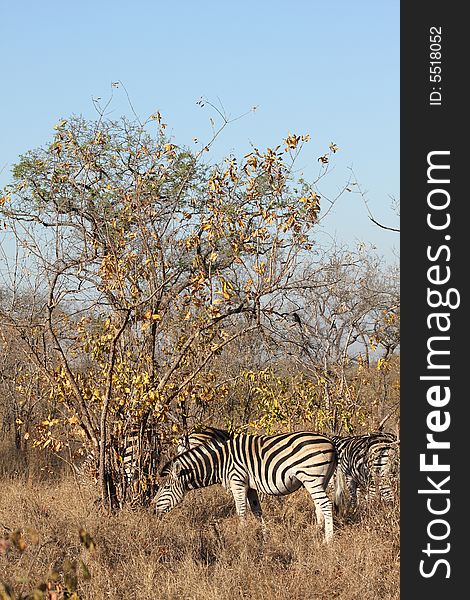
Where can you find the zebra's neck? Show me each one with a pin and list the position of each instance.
(204, 465)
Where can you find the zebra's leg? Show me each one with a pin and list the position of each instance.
(323, 508)
(374, 488)
(352, 488)
(378, 486)
(255, 506)
(340, 495)
(239, 492)
(383, 485)
(386, 475)
(386, 492)
(319, 515)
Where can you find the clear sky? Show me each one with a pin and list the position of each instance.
(330, 69)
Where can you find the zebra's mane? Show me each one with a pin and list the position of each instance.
(208, 429)
(202, 449)
(372, 435)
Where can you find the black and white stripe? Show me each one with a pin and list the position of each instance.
(275, 465)
(130, 455)
(366, 462)
(208, 435)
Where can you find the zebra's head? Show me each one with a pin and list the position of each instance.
(172, 489)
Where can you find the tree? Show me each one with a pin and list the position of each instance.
(151, 261)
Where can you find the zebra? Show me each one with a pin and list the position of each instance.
(244, 464)
(364, 461)
(131, 462)
(134, 461)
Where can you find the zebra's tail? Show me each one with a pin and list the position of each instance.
(340, 493)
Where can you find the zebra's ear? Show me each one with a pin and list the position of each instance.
(164, 471)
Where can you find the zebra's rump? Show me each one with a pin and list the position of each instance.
(360, 452)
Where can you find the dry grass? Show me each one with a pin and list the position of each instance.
(198, 551)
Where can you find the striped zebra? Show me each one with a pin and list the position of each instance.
(131, 462)
(136, 454)
(244, 464)
(134, 461)
(366, 462)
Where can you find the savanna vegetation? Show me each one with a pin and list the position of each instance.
(147, 289)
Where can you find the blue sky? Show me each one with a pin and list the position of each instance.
(328, 69)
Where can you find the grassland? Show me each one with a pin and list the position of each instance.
(198, 551)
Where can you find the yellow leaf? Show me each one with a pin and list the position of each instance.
(333, 147)
(380, 363)
(292, 141)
